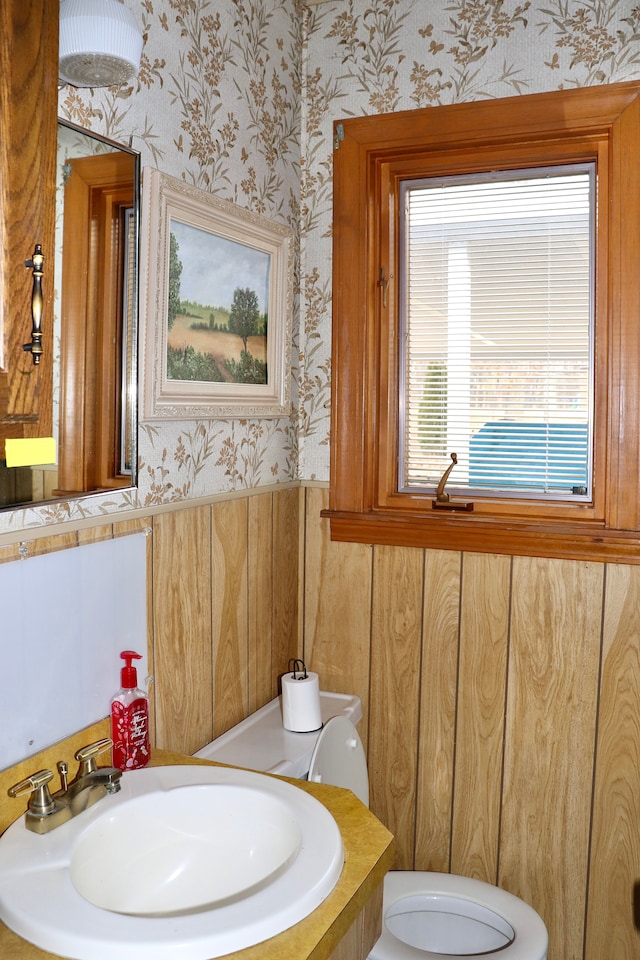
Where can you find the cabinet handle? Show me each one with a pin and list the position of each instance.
(37, 300)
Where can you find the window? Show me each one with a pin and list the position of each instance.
(495, 317)
(486, 302)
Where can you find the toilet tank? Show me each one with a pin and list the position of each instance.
(260, 742)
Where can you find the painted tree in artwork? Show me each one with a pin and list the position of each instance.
(175, 269)
(244, 314)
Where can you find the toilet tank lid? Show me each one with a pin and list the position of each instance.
(260, 742)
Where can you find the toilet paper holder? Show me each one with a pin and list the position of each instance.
(293, 669)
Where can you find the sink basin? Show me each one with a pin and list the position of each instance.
(189, 861)
(199, 846)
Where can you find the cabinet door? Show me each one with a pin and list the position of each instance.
(28, 134)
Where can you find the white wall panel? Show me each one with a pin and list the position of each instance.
(66, 618)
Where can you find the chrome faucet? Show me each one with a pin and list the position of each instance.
(46, 811)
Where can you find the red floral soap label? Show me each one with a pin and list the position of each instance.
(130, 734)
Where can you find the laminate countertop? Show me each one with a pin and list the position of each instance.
(368, 849)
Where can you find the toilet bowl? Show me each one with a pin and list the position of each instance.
(426, 916)
(436, 916)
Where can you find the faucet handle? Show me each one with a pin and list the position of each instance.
(41, 801)
(87, 755)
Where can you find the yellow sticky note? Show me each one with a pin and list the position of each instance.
(30, 452)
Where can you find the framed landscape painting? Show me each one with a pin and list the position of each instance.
(217, 286)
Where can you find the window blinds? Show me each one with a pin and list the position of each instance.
(496, 321)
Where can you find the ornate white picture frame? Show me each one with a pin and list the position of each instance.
(216, 306)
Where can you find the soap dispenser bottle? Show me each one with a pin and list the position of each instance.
(130, 719)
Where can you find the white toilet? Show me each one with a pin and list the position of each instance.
(426, 916)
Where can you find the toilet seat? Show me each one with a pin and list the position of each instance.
(400, 886)
(338, 758)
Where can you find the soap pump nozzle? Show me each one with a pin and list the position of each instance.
(129, 674)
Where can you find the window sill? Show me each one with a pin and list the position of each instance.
(498, 536)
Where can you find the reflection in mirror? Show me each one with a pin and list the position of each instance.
(98, 297)
(95, 325)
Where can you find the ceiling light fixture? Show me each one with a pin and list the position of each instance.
(100, 43)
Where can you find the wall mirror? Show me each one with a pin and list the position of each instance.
(95, 325)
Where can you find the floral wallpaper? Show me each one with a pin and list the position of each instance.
(217, 104)
(238, 97)
(377, 56)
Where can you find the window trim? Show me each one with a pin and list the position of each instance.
(371, 156)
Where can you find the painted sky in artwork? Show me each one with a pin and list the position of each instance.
(213, 267)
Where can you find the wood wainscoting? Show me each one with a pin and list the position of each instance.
(501, 696)
(225, 613)
(502, 716)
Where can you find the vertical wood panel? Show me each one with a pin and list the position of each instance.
(549, 750)
(260, 600)
(552, 695)
(123, 528)
(287, 642)
(484, 632)
(337, 607)
(437, 709)
(59, 541)
(182, 629)
(104, 531)
(230, 618)
(615, 854)
(9, 552)
(361, 936)
(395, 688)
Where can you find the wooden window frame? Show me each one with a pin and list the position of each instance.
(372, 155)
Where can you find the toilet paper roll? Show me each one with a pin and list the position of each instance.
(301, 702)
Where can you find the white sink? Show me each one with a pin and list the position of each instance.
(187, 861)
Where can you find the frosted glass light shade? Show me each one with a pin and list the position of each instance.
(100, 43)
